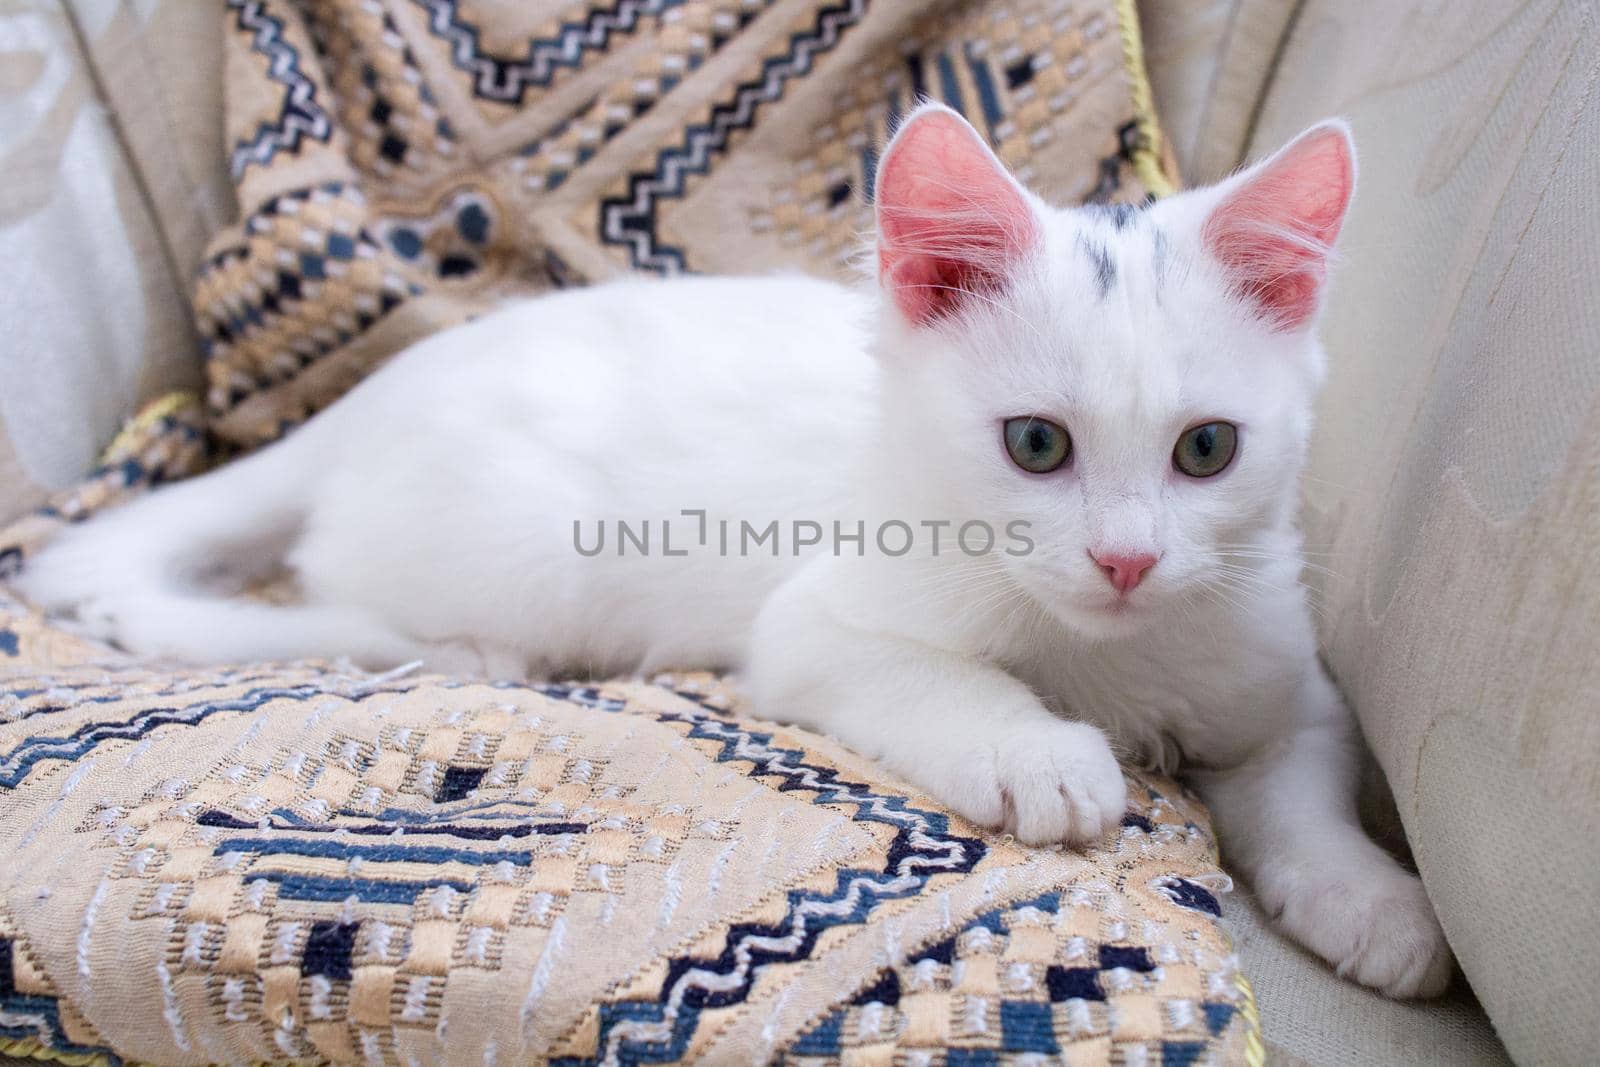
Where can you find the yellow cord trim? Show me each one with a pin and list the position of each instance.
(27, 1048)
(1255, 1050)
(160, 408)
(1150, 154)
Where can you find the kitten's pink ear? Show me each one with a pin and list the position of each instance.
(951, 221)
(1275, 227)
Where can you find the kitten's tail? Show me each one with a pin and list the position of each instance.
(155, 575)
(222, 528)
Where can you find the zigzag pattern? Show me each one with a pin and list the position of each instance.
(21, 760)
(301, 115)
(632, 222)
(62, 696)
(506, 80)
(659, 1030)
(822, 1038)
(15, 765)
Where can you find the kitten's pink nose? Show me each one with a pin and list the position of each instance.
(1124, 570)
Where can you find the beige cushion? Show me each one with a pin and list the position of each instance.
(1311, 1016)
(1454, 491)
(1209, 62)
(110, 153)
(159, 65)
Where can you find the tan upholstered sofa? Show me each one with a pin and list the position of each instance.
(1453, 507)
(1453, 501)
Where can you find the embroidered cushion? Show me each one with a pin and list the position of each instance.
(305, 862)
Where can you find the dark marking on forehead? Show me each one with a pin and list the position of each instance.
(1158, 257)
(1122, 215)
(1105, 271)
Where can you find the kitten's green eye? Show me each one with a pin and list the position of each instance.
(1037, 445)
(1205, 450)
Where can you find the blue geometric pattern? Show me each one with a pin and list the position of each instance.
(135, 471)
(1029, 1020)
(16, 764)
(1188, 894)
(657, 1030)
(631, 223)
(52, 700)
(287, 256)
(1026, 1026)
(923, 845)
(507, 80)
(20, 761)
(300, 115)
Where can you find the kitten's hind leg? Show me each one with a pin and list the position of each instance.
(1287, 819)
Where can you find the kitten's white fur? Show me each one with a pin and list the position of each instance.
(429, 515)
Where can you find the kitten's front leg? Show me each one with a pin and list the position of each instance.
(1287, 818)
(970, 734)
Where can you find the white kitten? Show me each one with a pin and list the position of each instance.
(1121, 398)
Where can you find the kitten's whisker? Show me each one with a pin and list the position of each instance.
(934, 587)
(1271, 558)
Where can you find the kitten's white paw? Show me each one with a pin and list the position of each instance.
(1379, 931)
(130, 624)
(1050, 783)
(101, 619)
(457, 659)
(465, 659)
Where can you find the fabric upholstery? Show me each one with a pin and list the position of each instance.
(103, 214)
(1311, 1016)
(1210, 62)
(1453, 505)
(304, 862)
(157, 67)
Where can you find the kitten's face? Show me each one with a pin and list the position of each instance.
(1156, 368)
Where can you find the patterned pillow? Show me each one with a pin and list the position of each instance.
(307, 862)
(403, 165)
